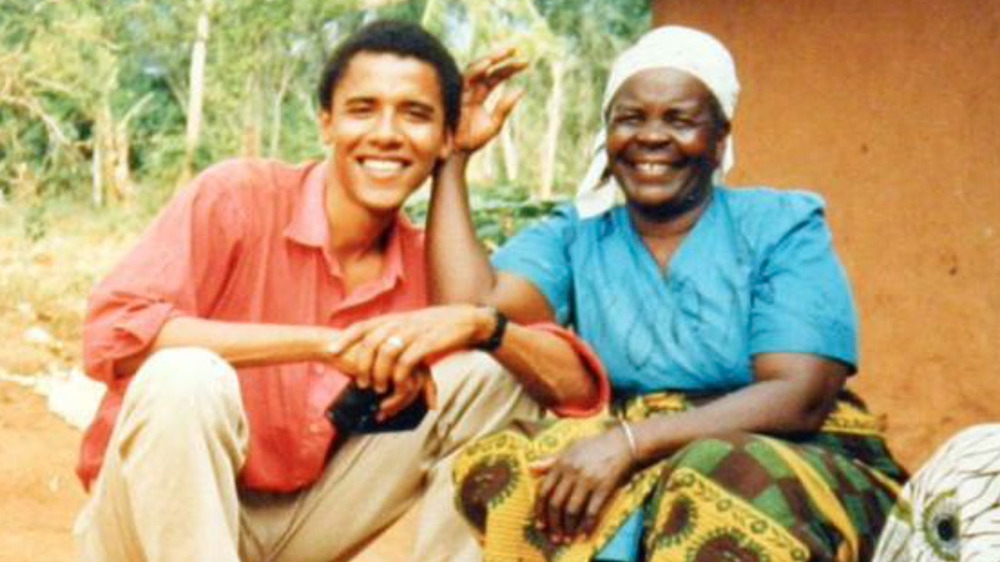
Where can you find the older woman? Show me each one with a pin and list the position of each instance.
(724, 319)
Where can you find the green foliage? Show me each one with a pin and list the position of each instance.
(67, 64)
(498, 212)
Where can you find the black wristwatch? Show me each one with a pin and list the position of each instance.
(496, 338)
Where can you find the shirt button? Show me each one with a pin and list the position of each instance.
(316, 428)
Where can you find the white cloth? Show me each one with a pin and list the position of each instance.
(681, 48)
(950, 510)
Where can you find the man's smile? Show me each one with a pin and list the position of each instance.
(383, 167)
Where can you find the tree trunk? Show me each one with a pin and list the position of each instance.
(252, 116)
(511, 159)
(276, 106)
(553, 109)
(97, 173)
(101, 169)
(196, 92)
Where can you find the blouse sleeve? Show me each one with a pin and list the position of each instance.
(801, 299)
(540, 255)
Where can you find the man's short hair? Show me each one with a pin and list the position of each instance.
(406, 40)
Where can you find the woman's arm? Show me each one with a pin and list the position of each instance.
(793, 394)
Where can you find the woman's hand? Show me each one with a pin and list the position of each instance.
(578, 483)
(479, 124)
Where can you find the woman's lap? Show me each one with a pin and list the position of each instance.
(765, 499)
(746, 495)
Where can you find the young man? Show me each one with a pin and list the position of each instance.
(221, 338)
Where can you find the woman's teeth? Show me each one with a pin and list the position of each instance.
(652, 168)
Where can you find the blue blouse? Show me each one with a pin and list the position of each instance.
(757, 274)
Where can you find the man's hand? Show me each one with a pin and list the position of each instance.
(577, 484)
(392, 351)
(480, 124)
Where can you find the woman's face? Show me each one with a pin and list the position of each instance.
(665, 138)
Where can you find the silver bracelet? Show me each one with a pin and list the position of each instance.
(630, 437)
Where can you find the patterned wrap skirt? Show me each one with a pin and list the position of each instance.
(742, 497)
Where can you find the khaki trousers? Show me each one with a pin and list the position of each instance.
(167, 491)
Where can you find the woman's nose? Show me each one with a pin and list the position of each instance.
(654, 132)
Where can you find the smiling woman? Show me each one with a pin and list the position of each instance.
(666, 137)
(728, 329)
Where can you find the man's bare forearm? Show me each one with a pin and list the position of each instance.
(240, 344)
(458, 264)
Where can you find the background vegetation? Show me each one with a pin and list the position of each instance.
(108, 106)
(117, 102)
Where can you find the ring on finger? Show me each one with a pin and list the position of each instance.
(395, 343)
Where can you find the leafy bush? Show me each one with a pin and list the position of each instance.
(498, 212)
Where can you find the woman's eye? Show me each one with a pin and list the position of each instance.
(682, 123)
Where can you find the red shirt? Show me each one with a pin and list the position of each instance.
(247, 242)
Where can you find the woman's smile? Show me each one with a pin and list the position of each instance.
(664, 140)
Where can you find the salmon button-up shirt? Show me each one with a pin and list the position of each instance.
(248, 242)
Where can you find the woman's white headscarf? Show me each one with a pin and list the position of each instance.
(681, 48)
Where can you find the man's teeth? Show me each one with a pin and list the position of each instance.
(382, 166)
(652, 168)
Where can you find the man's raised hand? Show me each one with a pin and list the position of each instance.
(479, 123)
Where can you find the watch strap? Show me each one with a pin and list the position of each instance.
(496, 338)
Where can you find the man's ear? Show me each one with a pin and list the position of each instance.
(325, 122)
(448, 145)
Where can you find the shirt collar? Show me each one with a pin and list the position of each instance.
(309, 226)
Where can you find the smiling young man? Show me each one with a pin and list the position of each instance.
(259, 295)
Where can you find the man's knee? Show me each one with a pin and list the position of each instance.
(476, 396)
(475, 373)
(186, 383)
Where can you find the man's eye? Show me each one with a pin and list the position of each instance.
(628, 119)
(360, 110)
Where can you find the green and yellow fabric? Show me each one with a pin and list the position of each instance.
(743, 497)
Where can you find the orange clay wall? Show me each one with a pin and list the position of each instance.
(891, 110)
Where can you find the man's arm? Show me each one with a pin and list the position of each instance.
(549, 365)
(452, 246)
(241, 344)
(255, 345)
(556, 373)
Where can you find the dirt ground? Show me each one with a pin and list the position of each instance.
(40, 495)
